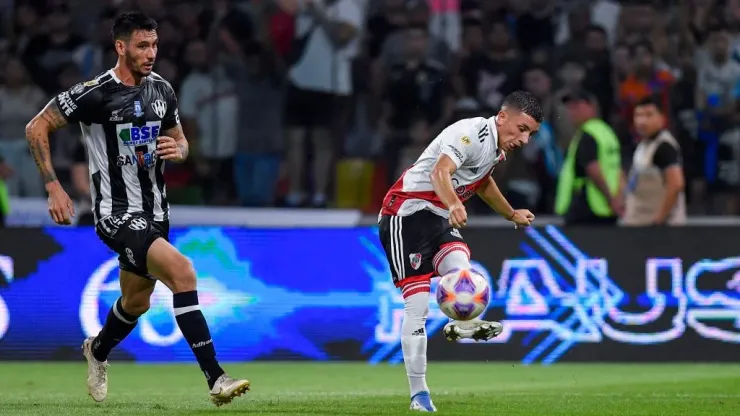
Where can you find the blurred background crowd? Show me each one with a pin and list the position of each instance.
(284, 111)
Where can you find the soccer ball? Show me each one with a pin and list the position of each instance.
(463, 294)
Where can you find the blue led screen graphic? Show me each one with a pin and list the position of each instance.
(325, 294)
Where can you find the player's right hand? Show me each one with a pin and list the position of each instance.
(61, 208)
(458, 215)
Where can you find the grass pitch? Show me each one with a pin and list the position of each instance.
(470, 389)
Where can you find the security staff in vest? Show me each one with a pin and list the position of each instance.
(591, 180)
(655, 189)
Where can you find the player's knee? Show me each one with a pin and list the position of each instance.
(135, 305)
(453, 257)
(182, 275)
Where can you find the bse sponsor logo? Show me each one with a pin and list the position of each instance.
(7, 270)
(131, 135)
(66, 103)
(146, 160)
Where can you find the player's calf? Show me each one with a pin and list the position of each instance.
(177, 272)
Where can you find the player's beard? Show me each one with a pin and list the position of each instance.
(138, 69)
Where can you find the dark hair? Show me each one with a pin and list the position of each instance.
(125, 24)
(526, 103)
(642, 43)
(596, 29)
(651, 100)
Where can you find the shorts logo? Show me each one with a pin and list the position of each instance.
(160, 108)
(415, 260)
(138, 224)
(456, 233)
(130, 256)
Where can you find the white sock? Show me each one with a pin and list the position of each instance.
(414, 340)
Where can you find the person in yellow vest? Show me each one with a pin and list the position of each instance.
(589, 190)
(655, 190)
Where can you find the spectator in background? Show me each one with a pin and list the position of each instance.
(544, 156)
(717, 104)
(492, 75)
(645, 80)
(391, 19)
(318, 97)
(27, 26)
(597, 63)
(91, 58)
(20, 101)
(259, 78)
(418, 103)
(590, 185)
(622, 61)
(417, 15)
(47, 53)
(5, 173)
(656, 183)
(571, 75)
(534, 24)
(209, 110)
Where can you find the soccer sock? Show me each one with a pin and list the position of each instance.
(194, 328)
(414, 340)
(118, 325)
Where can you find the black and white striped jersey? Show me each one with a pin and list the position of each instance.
(120, 125)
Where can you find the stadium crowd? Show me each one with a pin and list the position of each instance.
(285, 113)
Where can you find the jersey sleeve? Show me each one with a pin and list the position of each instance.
(461, 145)
(172, 115)
(81, 103)
(665, 156)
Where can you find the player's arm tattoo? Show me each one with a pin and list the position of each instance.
(182, 143)
(37, 134)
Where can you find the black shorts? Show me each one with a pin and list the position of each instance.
(416, 244)
(311, 109)
(131, 235)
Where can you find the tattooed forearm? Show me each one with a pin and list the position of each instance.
(182, 143)
(37, 134)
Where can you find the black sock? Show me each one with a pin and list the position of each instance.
(118, 325)
(194, 328)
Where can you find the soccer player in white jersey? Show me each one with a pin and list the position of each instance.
(423, 212)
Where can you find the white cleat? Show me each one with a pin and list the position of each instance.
(422, 402)
(97, 373)
(476, 329)
(226, 389)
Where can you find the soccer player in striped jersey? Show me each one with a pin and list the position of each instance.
(130, 128)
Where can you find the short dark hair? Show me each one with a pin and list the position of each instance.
(596, 29)
(642, 43)
(125, 24)
(651, 100)
(525, 102)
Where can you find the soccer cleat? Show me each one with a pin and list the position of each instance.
(476, 329)
(422, 402)
(226, 389)
(97, 373)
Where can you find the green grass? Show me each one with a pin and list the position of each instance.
(57, 389)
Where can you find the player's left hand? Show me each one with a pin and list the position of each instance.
(522, 218)
(169, 149)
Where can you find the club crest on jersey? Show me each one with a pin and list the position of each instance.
(131, 135)
(160, 108)
(415, 260)
(77, 89)
(138, 112)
